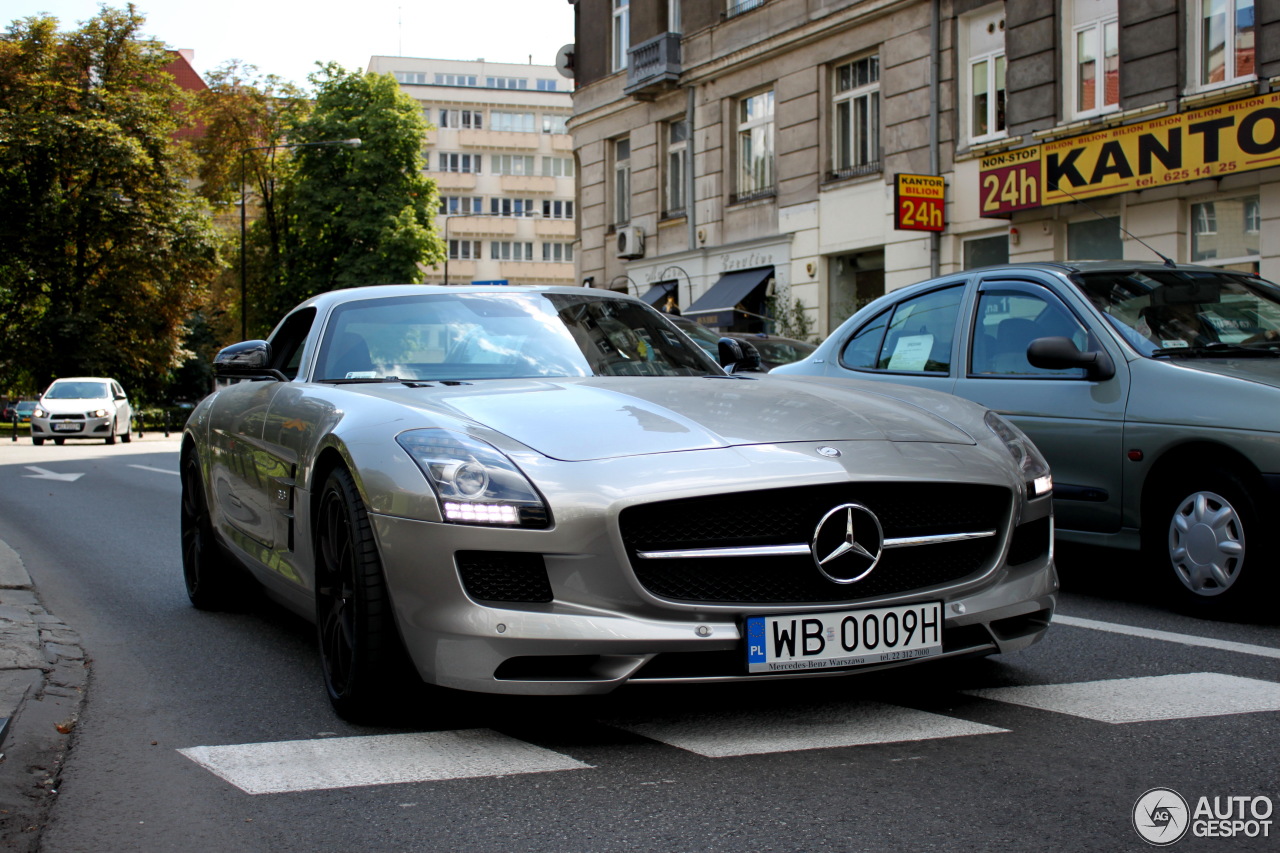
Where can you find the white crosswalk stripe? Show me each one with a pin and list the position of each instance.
(313, 765)
(745, 733)
(1158, 697)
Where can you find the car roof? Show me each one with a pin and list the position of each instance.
(1089, 266)
(330, 298)
(81, 379)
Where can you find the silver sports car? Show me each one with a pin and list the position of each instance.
(554, 491)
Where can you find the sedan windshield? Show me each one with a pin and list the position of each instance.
(77, 391)
(503, 336)
(1163, 312)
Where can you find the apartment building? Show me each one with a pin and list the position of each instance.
(500, 154)
(828, 150)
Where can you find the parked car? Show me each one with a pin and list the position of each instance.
(748, 360)
(82, 407)
(774, 350)
(21, 409)
(1152, 389)
(549, 491)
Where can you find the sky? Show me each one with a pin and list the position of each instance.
(287, 37)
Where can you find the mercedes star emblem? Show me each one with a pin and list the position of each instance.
(847, 542)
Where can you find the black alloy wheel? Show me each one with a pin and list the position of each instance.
(360, 649)
(213, 581)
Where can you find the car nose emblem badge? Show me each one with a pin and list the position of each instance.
(829, 452)
(847, 543)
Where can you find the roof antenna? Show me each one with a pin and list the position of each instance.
(1168, 262)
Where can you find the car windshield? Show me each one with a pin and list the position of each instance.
(503, 336)
(77, 391)
(27, 406)
(1161, 312)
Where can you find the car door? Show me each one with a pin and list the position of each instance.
(123, 411)
(913, 342)
(1077, 422)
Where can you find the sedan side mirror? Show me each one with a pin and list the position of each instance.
(246, 360)
(738, 356)
(1061, 353)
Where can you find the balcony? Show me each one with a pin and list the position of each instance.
(653, 66)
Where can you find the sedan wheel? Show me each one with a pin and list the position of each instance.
(1213, 543)
(213, 581)
(111, 436)
(59, 441)
(359, 647)
(37, 441)
(127, 435)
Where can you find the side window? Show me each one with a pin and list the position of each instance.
(861, 351)
(1008, 321)
(286, 343)
(921, 332)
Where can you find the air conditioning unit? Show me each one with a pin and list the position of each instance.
(630, 242)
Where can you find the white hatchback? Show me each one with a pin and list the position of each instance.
(82, 407)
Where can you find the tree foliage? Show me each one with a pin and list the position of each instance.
(104, 250)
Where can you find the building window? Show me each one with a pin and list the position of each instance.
(460, 162)
(452, 205)
(511, 207)
(1225, 37)
(1225, 233)
(986, 251)
(677, 167)
(519, 122)
(545, 85)
(512, 164)
(1096, 42)
(557, 167)
(985, 76)
(622, 181)
(465, 119)
(755, 145)
(557, 209)
(456, 80)
(621, 33)
(559, 253)
(1095, 239)
(411, 78)
(509, 250)
(857, 117)
(673, 17)
(464, 250)
(555, 124)
(506, 83)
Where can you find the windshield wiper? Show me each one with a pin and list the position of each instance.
(364, 380)
(1219, 350)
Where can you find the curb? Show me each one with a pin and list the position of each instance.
(43, 677)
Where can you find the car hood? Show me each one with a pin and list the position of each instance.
(608, 417)
(73, 405)
(1265, 371)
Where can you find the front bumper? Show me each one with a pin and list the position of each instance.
(86, 426)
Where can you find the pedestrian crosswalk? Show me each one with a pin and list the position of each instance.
(329, 763)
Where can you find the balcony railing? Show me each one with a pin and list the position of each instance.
(736, 9)
(654, 65)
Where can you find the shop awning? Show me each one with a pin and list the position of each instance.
(658, 292)
(731, 289)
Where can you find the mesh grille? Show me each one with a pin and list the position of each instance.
(1030, 540)
(503, 576)
(789, 516)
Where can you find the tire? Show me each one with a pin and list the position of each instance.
(212, 579)
(127, 435)
(111, 436)
(37, 441)
(1206, 539)
(59, 441)
(360, 650)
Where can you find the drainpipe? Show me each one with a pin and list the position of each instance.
(935, 159)
(690, 206)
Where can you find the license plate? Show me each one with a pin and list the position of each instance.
(67, 426)
(843, 638)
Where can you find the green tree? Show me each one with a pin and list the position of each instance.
(104, 250)
(363, 216)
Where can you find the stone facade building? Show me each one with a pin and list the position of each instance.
(736, 150)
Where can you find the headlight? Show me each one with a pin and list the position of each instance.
(1034, 468)
(99, 413)
(475, 482)
(38, 413)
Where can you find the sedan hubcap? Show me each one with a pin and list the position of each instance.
(1206, 543)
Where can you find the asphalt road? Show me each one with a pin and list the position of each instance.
(211, 731)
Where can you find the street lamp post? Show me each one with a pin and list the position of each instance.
(244, 267)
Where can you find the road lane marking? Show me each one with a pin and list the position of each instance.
(351, 762)
(1138, 700)
(722, 735)
(157, 470)
(46, 474)
(1168, 636)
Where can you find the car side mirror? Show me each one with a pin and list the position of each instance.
(1059, 353)
(738, 356)
(246, 360)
